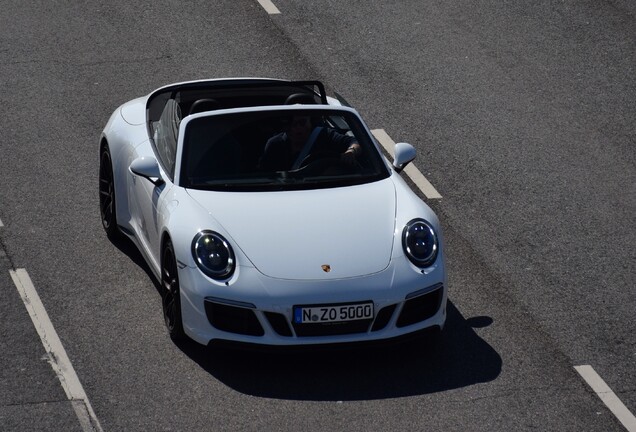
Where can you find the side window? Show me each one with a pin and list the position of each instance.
(166, 131)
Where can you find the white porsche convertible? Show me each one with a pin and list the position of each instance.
(270, 216)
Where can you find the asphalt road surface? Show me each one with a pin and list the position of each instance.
(524, 118)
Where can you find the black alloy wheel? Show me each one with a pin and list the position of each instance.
(107, 194)
(171, 293)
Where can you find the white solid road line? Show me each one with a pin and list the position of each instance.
(608, 397)
(269, 7)
(1, 223)
(55, 351)
(411, 170)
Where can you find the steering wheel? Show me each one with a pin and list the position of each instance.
(319, 159)
(323, 163)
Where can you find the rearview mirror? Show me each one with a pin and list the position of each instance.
(148, 168)
(404, 154)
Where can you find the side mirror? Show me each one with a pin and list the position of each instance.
(404, 154)
(148, 168)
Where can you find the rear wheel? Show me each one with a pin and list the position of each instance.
(171, 293)
(107, 194)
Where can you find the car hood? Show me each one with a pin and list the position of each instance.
(297, 234)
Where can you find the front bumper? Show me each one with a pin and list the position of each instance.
(256, 309)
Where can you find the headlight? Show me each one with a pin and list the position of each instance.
(213, 255)
(420, 242)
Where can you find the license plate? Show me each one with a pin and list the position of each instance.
(333, 313)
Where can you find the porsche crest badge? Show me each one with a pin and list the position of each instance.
(326, 268)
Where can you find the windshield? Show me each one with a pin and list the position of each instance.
(279, 150)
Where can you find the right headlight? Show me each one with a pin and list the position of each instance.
(420, 243)
(213, 255)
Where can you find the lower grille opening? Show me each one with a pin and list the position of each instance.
(383, 318)
(278, 323)
(233, 319)
(420, 308)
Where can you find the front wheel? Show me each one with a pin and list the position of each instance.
(107, 194)
(171, 293)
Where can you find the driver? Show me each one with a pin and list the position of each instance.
(285, 151)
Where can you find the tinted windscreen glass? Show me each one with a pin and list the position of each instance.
(274, 150)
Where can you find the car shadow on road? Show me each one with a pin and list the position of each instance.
(456, 358)
(127, 247)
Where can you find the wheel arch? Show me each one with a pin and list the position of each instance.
(165, 238)
(119, 179)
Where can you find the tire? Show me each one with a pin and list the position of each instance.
(107, 194)
(171, 293)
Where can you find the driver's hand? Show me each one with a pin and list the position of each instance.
(349, 157)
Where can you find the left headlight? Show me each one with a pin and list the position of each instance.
(213, 255)
(420, 243)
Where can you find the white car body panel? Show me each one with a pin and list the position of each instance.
(289, 235)
(134, 112)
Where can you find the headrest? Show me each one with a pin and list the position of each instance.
(202, 105)
(300, 98)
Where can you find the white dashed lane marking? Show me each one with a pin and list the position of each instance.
(411, 170)
(609, 398)
(269, 7)
(55, 351)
